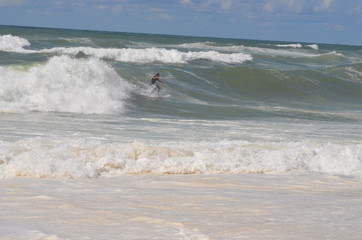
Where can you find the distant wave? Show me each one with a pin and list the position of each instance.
(313, 46)
(238, 48)
(295, 45)
(12, 43)
(149, 55)
(208, 51)
(297, 50)
(132, 55)
(298, 45)
(289, 53)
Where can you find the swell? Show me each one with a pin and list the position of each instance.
(90, 85)
(321, 87)
(241, 91)
(221, 79)
(331, 93)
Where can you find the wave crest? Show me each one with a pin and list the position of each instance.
(39, 157)
(11, 43)
(132, 55)
(149, 55)
(63, 84)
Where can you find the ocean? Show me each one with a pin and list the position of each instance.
(247, 139)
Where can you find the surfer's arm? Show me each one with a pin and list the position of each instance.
(158, 79)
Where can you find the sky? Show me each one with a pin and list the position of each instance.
(312, 21)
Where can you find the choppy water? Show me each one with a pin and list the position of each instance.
(87, 151)
(79, 104)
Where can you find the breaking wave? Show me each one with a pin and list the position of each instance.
(149, 55)
(296, 45)
(132, 55)
(63, 84)
(13, 43)
(40, 157)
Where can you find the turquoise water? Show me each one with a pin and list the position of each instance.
(78, 103)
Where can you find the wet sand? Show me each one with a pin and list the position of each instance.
(249, 206)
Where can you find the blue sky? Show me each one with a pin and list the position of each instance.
(314, 21)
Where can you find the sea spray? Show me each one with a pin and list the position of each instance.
(13, 43)
(63, 84)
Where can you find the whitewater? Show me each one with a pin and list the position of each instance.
(247, 139)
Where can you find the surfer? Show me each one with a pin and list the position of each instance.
(154, 82)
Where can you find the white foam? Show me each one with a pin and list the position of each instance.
(63, 84)
(300, 53)
(147, 55)
(210, 47)
(313, 46)
(12, 43)
(354, 74)
(295, 45)
(42, 157)
(132, 55)
(11, 233)
(78, 40)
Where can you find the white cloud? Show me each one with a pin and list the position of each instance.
(221, 4)
(358, 10)
(117, 9)
(100, 7)
(338, 27)
(269, 6)
(226, 4)
(162, 16)
(186, 2)
(324, 5)
(272, 6)
(11, 2)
